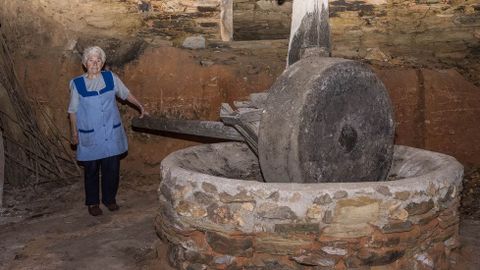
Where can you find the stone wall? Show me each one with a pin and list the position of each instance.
(414, 32)
(394, 32)
(261, 19)
(175, 19)
(216, 216)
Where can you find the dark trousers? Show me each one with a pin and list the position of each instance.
(110, 173)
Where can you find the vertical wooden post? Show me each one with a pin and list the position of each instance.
(310, 29)
(226, 20)
(2, 168)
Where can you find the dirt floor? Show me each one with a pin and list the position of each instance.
(58, 232)
(40, 229)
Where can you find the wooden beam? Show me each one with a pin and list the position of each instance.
(210, 129)
(226, 20)
(310, 29)
(232, 118)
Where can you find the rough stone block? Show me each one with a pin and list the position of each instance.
(231, 245)
(445, 234)
(315, 259)
(194, 42)
(334, 251)
(340, 194)
(275, 212)
(315, 212)
(323, 200)
(279, 246)
(402, 195)
(384, 190)
(242, 196)
(419, 208)
(209, 188)
(392, 242)
(336, 230)
(188, 209)
(396, 227)
(310, 228)
(424, 219)
(203, 198)
(207, 8)
(219, 214)
(274, 196)
(356, 211)
(448, 199)
(448, 219)
(328, 217)
(379, 257)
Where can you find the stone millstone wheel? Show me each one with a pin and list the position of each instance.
(326, 120)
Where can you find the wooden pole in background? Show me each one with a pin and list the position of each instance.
(226, 20)
(310, 29)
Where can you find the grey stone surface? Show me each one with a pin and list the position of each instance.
(194, 42)
(324, 199)
(224, 244)
(415, 208)
(396, 227)
(340, 194)
(339, 121)
(384, 190)
(281, 212)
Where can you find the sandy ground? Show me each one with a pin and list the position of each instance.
(58, 233)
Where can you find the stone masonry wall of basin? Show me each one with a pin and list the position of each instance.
(216, 213)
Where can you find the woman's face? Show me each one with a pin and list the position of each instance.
(94, 64)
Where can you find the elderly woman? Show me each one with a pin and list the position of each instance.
(96, 128)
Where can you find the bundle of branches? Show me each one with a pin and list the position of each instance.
(31, 157)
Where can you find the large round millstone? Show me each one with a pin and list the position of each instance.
(326, 120)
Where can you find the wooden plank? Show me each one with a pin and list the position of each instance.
(2, 168)
(259, 99)
(231, 117)
(210, 129)
(309, 31)
(250, 115)
(242, 104)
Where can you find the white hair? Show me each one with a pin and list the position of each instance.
(93, 50)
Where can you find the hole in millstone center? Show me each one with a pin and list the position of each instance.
(348, 138)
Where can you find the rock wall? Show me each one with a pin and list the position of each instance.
(435, 110)
(436, 33)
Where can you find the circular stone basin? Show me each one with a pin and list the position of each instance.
(217, 214)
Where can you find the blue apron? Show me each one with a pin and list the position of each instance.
(100, 130)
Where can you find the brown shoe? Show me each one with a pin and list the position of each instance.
(113, 207)
(94, 210)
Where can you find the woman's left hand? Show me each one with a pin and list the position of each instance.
(143, 112)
